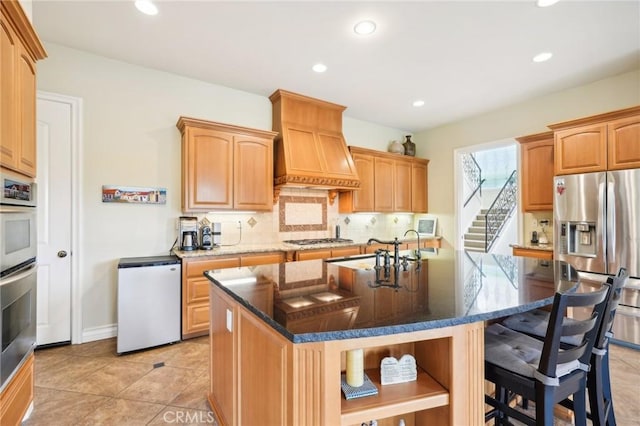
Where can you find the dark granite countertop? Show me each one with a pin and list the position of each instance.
(315, 300)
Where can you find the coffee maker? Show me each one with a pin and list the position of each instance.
(209, 234)
(188, 233)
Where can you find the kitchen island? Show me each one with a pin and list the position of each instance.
(280, 333)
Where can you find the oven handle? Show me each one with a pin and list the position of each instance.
(19, 275)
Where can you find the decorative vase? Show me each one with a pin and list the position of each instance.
(396, 147)
(409, 147)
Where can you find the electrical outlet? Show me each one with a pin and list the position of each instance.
(534, 223)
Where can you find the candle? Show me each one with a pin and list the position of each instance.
(355, 367)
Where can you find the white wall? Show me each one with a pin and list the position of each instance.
(130, 138)
(526, 118)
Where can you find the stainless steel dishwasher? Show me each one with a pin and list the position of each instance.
(148, 302)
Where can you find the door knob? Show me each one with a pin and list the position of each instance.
(62, 253)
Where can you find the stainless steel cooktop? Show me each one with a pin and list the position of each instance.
(312, 241)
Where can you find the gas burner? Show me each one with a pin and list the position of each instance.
(312, 241)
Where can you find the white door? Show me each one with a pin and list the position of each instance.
(54, 221)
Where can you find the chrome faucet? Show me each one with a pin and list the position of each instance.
(396, 248)
(418, 255)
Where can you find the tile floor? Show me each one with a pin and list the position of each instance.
(89, 384)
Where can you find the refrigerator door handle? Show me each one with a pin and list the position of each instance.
(611, 225)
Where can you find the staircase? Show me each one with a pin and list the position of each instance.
(482, 234)
(475, 238)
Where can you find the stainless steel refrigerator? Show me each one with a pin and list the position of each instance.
(597, 230)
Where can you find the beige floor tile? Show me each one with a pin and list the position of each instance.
(190, 355)
(117, 411)
(161, 385)
(187, 417)
(152, 356)
(55, 407)
(75, 369)
(195, 395)
(111, 379)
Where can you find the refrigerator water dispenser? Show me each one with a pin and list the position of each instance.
(580, 238)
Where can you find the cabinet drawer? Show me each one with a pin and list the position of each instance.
(262, 259)
(195, 268)
(539, 254)
(345, 251)
(197, 290)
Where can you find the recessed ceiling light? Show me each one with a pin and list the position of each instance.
(542, 57)
(418, 103)
(365, 27)
(545, 3)
(319, 67)
(146, 7)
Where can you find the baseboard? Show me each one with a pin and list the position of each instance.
(99, 333)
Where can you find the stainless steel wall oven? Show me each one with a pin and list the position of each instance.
(18, 249)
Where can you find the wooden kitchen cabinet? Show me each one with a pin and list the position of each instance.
(419, 189)
(537, 168)
(608, 141)
(225, 167)
(384, 185)
(195, 287)
(20, 49)
(326, 253)
(540, 254)
(624, 143)
(388, 183)
(17, 395)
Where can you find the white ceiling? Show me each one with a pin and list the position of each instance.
(461, 58)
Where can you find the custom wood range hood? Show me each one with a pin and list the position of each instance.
(310, 150)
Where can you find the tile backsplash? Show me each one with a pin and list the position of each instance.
(306, 213)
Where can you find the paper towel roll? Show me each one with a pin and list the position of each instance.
(355, 367)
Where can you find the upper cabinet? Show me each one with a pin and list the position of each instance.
(20, 48)
(608, 141)
(536, 171)
(388, 183)
(225, 167)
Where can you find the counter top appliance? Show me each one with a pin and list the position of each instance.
(188, 233)
(595, 219)
(148, 302)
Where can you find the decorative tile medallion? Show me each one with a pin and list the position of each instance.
(302, 213)
(252, 222)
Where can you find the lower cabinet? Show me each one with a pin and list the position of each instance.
(195, 287)
(17, 395)
(259, 377)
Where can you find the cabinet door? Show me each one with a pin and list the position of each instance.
(537, 175)
(363, 197)
(403, 189)
(581, 150)
(624, 143)
(207, 174)
(8, 96)
(26, 86)
(384, 184)
(253, 173)
(223, 356)
(419, 188)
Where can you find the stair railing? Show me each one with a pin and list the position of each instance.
(500, 210)
(509, 268)
(473, 174)
(473, 283)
